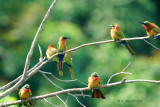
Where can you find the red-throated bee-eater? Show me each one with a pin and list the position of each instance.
(51, 50)
(93, 83)
(60, 48)
(68, 60)
(24, 93)
(117, 34)
(151, 29)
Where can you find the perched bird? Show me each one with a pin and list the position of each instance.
(60, 48)
(25, 93)
(151, 29)
(94, 82)
(117, 34)
(51, 50)
(68, 60)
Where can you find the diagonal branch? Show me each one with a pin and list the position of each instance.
(151, 44)
(29, 55)
(61, 100)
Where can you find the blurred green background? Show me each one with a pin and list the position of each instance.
(84, 21)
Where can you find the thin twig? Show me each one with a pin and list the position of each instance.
(61, 100)
(80, 102)
(61, 88)
(54, 104)
(76, 99)
(84, 95)
(126, 67)
(49, 73)
(50, 103)
(151, 45)
(52, 82)
(122, 72)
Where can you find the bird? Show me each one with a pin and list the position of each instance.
(93, 83)
(68, 60)
(151, 29)
(24, 93)
(61, 47)
(117, 34)
(51, 50)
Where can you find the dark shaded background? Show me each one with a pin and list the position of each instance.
(84, 21)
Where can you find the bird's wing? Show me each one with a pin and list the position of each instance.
(67, 59)
(89, 79)
(156, 29)
(120, 34)
(57, 45)
(99, 80)
(30, 93)
(19, 92)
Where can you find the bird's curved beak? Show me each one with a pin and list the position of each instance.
(67, 37)
(142, 23)
(111, 26)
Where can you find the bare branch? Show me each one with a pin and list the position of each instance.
(76, 90)
(151, 44)
(17, 79)
(52, 82)
(82, 95)
(102, 42)
(54, 104)
(126, 67)
(73, 49)
(50, 103)
(49, 73)
(29, 55)
(62, 88)
(61, 100)
(37, 35)
(123, 80)
(122, 72)
(41, 55)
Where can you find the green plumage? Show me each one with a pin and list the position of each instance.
(157, 30)
(120, 34)
(68, 60)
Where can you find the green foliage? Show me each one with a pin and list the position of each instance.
(8, 99)
(84, 21)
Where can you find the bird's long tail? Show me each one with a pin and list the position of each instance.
(60, 63)
(72, 74)
(97, 94)
(60, 73)
(60, 66)
(125, 44)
